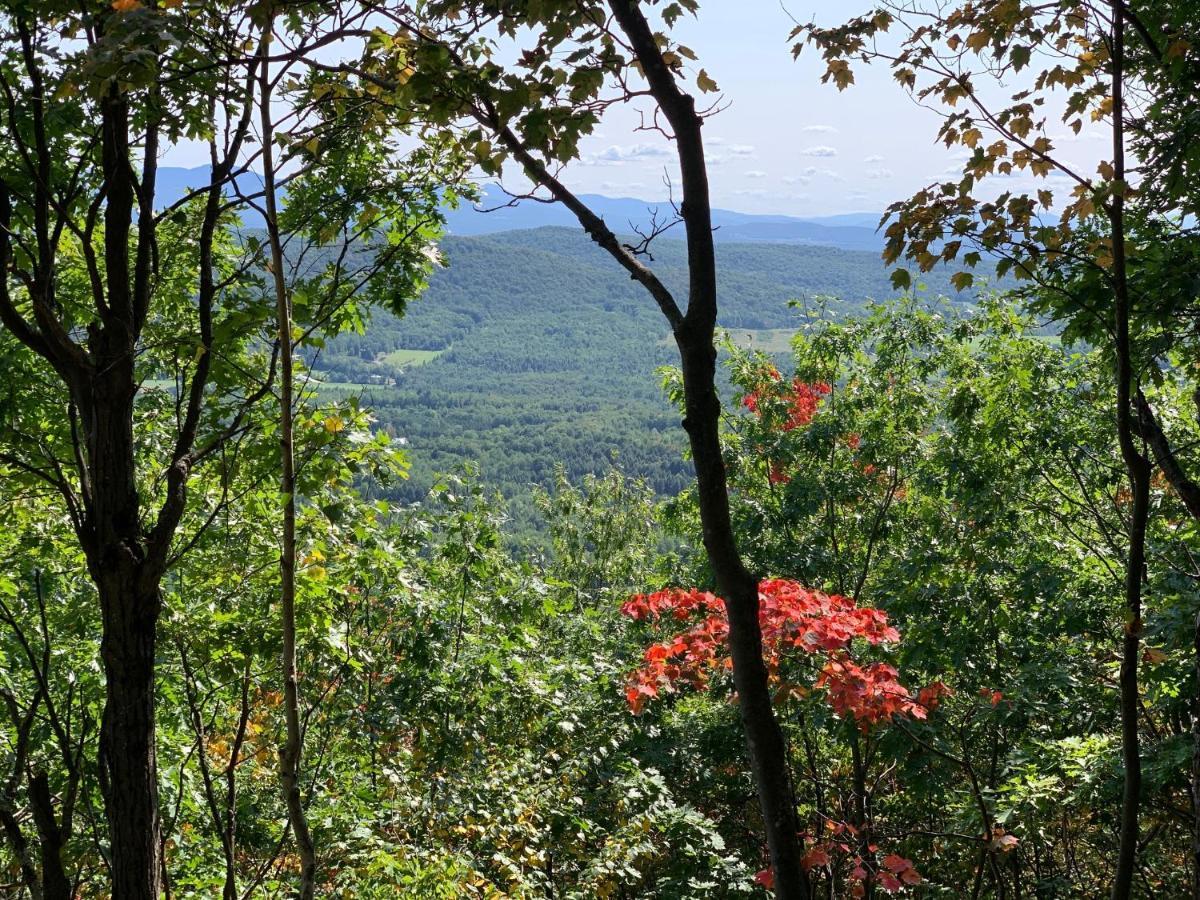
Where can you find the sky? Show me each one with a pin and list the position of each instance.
(788, 144)
(784, 144)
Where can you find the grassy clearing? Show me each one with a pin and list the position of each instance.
(768, 340)
(406, 359)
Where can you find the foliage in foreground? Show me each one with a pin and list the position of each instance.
(469, 732)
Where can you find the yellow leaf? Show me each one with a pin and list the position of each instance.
(334, 424)
(977, 40)
(839, 71)
(705, 83)
(1102, 109)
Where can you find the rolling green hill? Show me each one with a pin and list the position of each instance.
(538, 350)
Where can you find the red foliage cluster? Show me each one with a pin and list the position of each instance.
(872, 694)
(800, 400)
(687, 657)
(892, 874)
(792, 617)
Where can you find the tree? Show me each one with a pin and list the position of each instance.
(290, 753)
(1098, 54)
(93, 289)
(534, 114)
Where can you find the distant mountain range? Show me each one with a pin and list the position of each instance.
(849, 231)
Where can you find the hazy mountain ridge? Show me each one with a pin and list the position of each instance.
(850, 231)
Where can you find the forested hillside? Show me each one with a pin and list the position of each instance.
(536, 353)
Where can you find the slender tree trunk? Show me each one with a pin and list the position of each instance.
(764, 738)
(1196, 766)
(1189, 493)
(694, 335)
(1138, 468)
(56, 885)
(861, 806)
(695, 339)
(22, 854)
(290, 753)
(130, 602)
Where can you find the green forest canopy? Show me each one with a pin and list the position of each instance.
(890, 598)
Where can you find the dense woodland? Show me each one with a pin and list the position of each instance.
(345, 559)
(589, 391)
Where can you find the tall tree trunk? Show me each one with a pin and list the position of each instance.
(290, 753)
(129, 602)
(695, 339)
(127, 754)
(764, 738)
(1196, 765)
(1189, 493)
(1138, 469)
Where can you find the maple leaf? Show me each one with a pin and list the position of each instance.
(705, 82)
(124, 6)
(792, 617)
(889, 882)
(816, 858)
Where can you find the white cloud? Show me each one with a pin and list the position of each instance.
(721, 152)
(878, 174)
(756, 193)
(875, 158)
(755, 173)
(633, 153)
(807, 174)
(819, 129)
(822, 151)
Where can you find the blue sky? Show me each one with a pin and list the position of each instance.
(788, 144)
(785, 144)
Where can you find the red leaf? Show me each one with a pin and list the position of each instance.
(816, 858)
